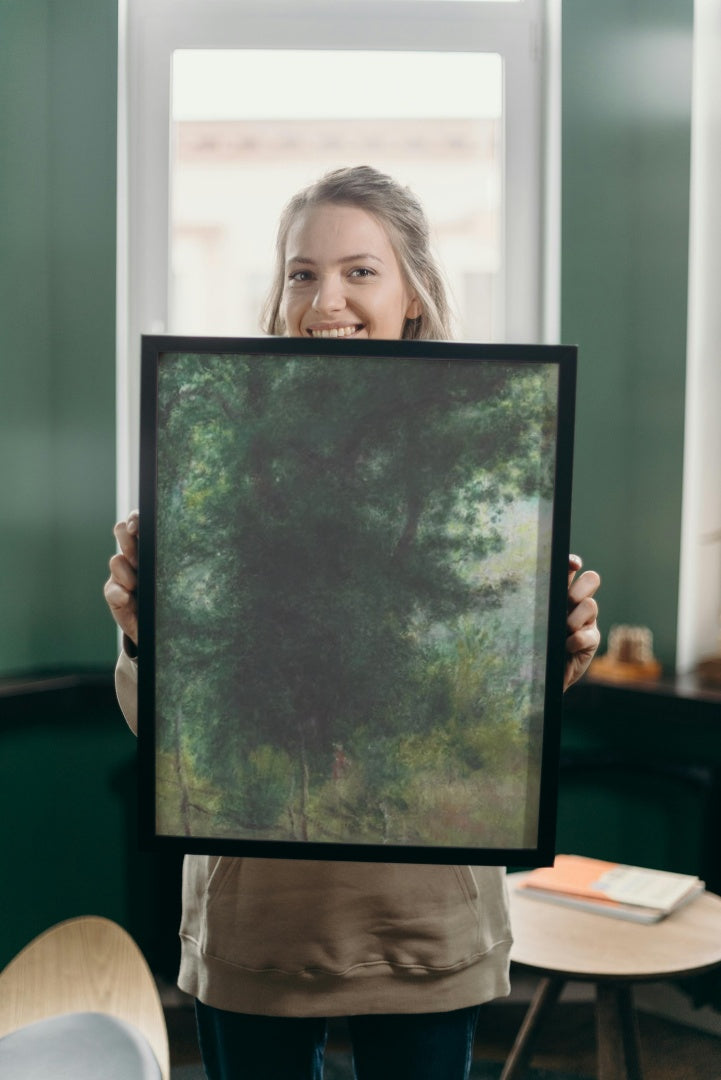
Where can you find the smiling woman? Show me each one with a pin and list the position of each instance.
(300, 940)
(353, 259)
(332, 292)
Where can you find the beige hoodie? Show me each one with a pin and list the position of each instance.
(286, 937)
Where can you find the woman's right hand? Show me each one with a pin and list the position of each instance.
(121, 587)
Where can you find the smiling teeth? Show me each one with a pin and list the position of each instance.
(340, 331)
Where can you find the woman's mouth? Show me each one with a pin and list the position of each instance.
(335, 331)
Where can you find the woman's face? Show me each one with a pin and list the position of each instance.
(342, 277)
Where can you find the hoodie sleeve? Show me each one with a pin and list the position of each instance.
(126, 688)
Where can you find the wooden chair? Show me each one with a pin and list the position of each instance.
(90, 972)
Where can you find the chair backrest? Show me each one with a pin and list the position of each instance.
(88, 964)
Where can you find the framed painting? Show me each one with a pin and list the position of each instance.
(352, 597)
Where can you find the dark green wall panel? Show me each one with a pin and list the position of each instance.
(58, 76)
(61, 788)
(626, 145)
(68, 800)
(25, 391)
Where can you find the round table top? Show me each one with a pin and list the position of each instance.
(559, 940)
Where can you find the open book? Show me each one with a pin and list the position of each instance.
(608, 888)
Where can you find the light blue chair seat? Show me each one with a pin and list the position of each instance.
(79, 1002)
(78, 1046)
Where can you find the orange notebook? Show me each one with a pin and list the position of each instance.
(632, 892)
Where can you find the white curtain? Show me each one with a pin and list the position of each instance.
(700, 582)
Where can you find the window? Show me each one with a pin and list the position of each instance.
(699, 624)
(227, 107)
(236, 161)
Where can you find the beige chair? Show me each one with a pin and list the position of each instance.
(81, 990)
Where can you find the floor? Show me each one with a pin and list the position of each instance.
(670, 1051)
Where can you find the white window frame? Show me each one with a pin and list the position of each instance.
(699, 597)
(526, 34)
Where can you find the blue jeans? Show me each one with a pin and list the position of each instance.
(417, 1046)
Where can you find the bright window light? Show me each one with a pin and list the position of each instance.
(225, 84)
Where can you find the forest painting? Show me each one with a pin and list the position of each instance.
(352, 559)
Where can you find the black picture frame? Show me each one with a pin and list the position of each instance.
(353, 568)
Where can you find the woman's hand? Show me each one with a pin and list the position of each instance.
(583, 635)
(121, 587)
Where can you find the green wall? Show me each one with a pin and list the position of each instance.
(68, 804)
(66, 758)
(626, 145)
(58, 71)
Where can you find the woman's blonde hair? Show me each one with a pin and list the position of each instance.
(403, 217)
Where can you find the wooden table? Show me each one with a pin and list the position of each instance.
(563, 944)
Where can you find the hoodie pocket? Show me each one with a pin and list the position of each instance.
(295, 916)
(468, 883)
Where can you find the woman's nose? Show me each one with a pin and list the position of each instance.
(329, 296)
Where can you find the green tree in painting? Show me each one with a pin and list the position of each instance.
(324, 527)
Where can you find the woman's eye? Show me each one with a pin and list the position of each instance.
(300, 276)
(362, 272)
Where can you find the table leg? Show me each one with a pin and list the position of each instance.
(617, 1033)
(545, 997)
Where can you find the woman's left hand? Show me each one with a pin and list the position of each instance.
(583, 635)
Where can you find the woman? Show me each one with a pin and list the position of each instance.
(271, 948)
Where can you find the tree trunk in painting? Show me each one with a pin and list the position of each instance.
(181, 778)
